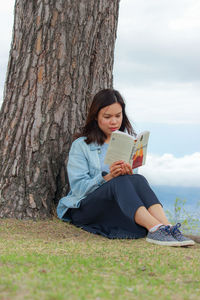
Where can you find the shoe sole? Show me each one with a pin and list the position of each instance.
(163, 243)
(187, 243)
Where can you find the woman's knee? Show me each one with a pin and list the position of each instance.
(121, 182)
(124, 180)
(120, 179)
(140, 178)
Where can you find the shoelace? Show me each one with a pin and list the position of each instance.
(166, 230)
(175, 229)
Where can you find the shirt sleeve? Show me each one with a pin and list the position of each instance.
(80, 179)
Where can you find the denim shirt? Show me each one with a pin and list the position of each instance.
(84, 173)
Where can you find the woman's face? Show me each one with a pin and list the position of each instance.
(110, 119)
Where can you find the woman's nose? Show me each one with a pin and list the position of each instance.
(113, 121)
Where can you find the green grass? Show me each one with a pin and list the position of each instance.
(54, 260)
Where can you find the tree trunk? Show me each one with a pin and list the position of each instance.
(61, 55)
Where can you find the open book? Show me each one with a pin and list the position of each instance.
(125, 147)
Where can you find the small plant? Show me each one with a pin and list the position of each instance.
(190, 223)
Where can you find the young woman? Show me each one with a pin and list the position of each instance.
(115, 202)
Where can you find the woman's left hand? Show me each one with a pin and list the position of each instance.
(126, 169)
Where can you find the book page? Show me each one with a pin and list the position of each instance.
(120, 147)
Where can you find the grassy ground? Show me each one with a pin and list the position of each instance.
(54, 260)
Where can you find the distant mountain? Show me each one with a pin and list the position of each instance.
(168, 194)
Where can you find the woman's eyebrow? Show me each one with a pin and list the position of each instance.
(106, 114)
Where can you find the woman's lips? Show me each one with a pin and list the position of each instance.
(113, 129)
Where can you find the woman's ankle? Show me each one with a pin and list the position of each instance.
(154, 228)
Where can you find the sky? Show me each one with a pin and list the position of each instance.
(157, 70)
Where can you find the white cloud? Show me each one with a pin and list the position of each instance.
(158, 18)
(172, 103)
(6, 24)
(169, 170)
(1, 99)
(158, 41)
(157, 65)
(189, 19)
(7, 7)
(6, 21)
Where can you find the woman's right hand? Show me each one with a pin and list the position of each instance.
(116, 169)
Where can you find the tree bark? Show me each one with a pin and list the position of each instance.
(61, 55)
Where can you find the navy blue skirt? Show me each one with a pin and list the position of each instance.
(110, 209)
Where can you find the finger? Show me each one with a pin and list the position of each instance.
(117, 172)
(117, 167)
(129, 169)
(117, 163)
(123, 169)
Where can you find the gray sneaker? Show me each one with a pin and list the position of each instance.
(184, 241)
(162, 236)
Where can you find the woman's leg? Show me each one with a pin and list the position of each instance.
(158, 233)
(134, 198)
(145, 219)
(158, 213)
(119, 189)
(143, 190)
(110, 211)
(148, 197)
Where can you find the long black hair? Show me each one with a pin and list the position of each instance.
(91, 130)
